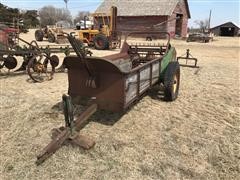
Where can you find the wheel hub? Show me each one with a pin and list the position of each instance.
(39, 68)
(175, 81)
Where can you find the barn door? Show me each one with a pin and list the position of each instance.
(227, 31)
(179, 21)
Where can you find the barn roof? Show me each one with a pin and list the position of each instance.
(141, 7)
(227, 24)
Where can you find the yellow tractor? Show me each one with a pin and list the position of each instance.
(103, 34)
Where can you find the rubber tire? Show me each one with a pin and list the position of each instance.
(173, 69)
(39, 35)
(104, 42)
(54, 60)
(51, 38)
(148, 38)
(10, 62)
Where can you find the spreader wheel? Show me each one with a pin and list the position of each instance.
(172, 81)
(10, 62)
(40, 69)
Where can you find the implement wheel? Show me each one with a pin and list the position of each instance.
(2, 59)
(54, 61)
(40, 69)
(172, 81)
(10, 62)
(39, 35)
(101, 42)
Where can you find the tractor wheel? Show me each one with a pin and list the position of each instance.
(51, 38)
(101, 42)
(171, 81)
(39, 35)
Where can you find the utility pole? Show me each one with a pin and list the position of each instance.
(66, 1)
(209, 22)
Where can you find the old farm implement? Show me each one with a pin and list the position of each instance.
(113, 83)
(54, 34)
(188, 57)
(38, 62)
(200, 37)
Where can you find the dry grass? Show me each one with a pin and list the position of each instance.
(195, 137)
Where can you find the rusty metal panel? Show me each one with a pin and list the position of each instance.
(155, 72)
(144, 79)
(130, 88)
(109, 93)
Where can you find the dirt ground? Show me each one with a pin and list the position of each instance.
(195, 137)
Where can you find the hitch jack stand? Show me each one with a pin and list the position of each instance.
(70, 133)
(188, 57)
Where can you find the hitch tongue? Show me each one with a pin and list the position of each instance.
(70, 133)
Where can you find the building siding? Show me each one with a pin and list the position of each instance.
(180, 9)
(138, 23)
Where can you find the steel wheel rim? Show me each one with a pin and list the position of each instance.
(175, 83)
(38, 70)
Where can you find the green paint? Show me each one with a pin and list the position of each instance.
(2, 46)
(170, 56)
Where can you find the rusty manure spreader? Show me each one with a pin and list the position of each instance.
(113, 83)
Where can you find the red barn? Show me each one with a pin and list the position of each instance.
(135, 15)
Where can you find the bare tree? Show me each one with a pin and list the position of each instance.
(49, 15)
(81, 15)
(203, 24)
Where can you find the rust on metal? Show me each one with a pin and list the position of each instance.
(133, 66)
(69, 133)
(112, 83)
(39, 62)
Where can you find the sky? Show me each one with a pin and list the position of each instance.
(222, 10)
